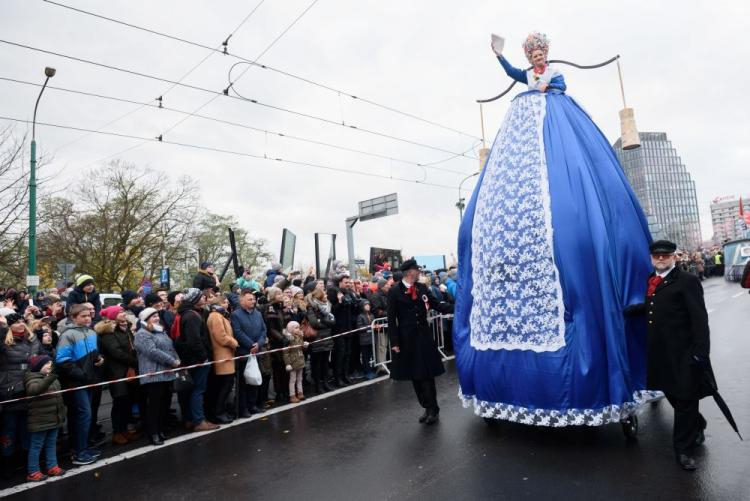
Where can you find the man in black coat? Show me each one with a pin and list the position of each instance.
(678, 346)
(415, 353)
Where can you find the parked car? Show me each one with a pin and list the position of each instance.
(110, 298)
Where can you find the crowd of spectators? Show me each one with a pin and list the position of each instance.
(68, 339)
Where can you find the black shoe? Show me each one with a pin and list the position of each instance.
(244, 414)
(686, 462)
(423, 417)
(222, 419)
(162, 435)
(700, 439)
(432, 419)
(347, 380)
(257, 410)
(326, 388)
(340, 383)
(156, 440)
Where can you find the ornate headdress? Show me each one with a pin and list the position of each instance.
(536, 41)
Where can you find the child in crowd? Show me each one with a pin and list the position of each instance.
(365, 319)
(45, 417)
(294, 358)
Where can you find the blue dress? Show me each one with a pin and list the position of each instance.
(552, 247)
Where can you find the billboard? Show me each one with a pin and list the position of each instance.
(288, 244)
(384, 259)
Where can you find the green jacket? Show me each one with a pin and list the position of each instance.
(48, 412)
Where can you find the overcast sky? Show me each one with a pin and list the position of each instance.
(684, 64)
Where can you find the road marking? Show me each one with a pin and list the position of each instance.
(739, 294)
(182, 438)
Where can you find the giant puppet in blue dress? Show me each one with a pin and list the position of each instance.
(552, 248)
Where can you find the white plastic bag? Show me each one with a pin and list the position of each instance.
(252, 374)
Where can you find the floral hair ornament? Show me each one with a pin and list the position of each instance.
(536, 41)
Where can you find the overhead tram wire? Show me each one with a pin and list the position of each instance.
(430, 165)
(279, 37)
(231, 152)
(253, 101)
(170, 88)
(266, 67)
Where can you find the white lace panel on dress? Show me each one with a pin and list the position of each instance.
(517, 299)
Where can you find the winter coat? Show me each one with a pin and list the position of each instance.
(322, 321)
(117, 348)
(677, 329)
(248, 328)
(77, 296)
(14, 361)
(222, 342)
(379, 304)
(155, 353)
(194, 344)
(264, 361)
(276, 320)
(408, 329)
(48, 412)
(365, 336)
(248, 284)
(203, 280)
(345, 311)
(295, 355)
(77, 351)
(270, 277)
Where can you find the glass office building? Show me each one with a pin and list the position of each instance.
(664, 188)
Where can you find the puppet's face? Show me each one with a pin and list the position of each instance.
(538, 57)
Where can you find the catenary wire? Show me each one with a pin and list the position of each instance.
(169, 89)
(246, 126)
(253, 101)
(265, 67)
(230, 152)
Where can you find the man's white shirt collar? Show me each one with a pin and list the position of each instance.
(664, 274)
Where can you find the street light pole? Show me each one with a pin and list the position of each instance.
(460, 204)
(32, 279)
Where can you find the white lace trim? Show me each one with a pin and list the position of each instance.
(517, 297)
(558, 418)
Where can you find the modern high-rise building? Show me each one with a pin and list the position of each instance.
(664, 188)
(725, 218)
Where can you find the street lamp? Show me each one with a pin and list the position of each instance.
(460, 204)
(32, 279)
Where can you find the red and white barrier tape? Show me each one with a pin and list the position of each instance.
(179, 369)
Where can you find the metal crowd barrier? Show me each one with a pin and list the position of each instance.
(381, 341)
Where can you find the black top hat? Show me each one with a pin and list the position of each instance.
(410, 264)
(662, 247)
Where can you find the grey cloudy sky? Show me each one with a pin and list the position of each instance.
(684, 63)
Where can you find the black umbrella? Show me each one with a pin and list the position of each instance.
(711, 388)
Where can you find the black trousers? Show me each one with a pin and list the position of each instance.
(247, 395)
(342, 347)
(319, 366)
(224, 385)
(427, 395)
(155, 394)
(280, 375)
(688, 423)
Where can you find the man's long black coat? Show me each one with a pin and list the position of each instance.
(408, 329)
(677, 330)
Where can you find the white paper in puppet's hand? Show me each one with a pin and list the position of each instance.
(497, 44)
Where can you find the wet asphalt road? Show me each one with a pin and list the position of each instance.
(366, 444)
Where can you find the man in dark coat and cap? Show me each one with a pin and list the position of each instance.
(415, 353)
(678, 346)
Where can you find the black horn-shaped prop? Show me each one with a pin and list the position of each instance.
(556, 61)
